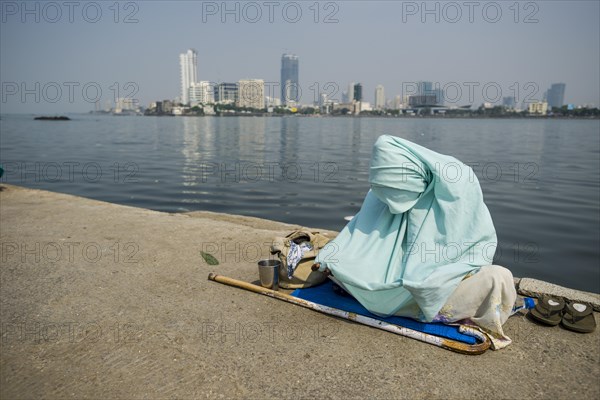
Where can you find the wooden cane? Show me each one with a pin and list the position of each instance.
(464, 348)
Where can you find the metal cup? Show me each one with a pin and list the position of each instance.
(268, 271)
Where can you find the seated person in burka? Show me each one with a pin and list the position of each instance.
(422, 244)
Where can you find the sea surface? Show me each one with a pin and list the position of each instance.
(540, 178)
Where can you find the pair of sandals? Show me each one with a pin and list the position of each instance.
(578, 317)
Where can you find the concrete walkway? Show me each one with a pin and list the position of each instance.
(105, 301)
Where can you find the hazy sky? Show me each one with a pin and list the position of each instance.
(479, 47)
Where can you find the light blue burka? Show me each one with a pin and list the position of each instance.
(422, 227)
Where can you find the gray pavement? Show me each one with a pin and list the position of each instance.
(99, 300)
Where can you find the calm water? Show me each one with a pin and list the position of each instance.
(540, 178)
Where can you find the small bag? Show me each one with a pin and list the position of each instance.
(303, 276)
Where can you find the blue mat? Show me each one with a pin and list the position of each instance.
(324, 295)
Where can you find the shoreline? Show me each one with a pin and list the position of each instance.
(410, 117)
(126, 311)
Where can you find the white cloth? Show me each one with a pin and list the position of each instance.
(295, 255)
(483, 300)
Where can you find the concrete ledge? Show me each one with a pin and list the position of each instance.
(536, 288)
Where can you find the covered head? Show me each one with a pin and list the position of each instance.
(397, 176)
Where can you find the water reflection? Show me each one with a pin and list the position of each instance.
(540, 179)
(289, 140)
(197, 147)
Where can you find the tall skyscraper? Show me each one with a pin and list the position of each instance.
(251, 93)
(556, 95)
(188, 63)
(379, 97)
(290, 84)
(350, 93)
(357, 92)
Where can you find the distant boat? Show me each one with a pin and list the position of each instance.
(61, 118)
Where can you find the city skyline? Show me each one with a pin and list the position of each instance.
(414, 94)
(557, 42)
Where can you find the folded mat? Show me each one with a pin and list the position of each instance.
(324, 295)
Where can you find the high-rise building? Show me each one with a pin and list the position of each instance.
(398, 104)
(426, 89)
(226, 93)
(290, 84)
(379, 97)
(357, 92)
(251, 93)
(345, 98)
(556, 95)
(188, 63)
(200, 93)
(322, 99)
